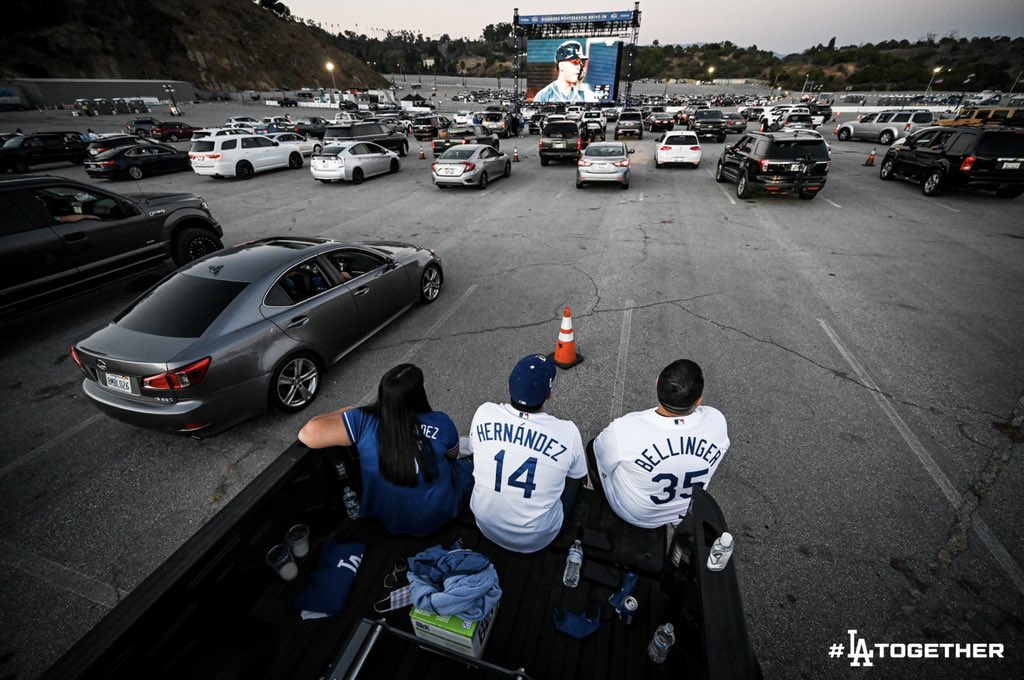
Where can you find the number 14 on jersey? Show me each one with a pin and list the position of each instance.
(522, 478)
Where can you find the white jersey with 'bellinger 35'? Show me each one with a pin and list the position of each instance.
(650, 463)
(520, 462)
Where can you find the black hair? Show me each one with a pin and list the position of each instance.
(400, 400)
(680, 385)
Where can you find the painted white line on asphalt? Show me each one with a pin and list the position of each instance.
(61, 576)
(620, 364)
(415, 348)
(946, 207)
(559, 194)
(731, 199)
(999, 552)
(47, 445)
(833, 203)
(641, 197)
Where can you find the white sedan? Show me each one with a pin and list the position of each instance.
(677, 147)
(305, 145)
(352, 162)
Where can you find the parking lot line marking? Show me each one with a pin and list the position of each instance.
(47, 445)
(61, 576)
(559, 194)
(412, 350)
(946, 207)
(731, 199)
(833, 203)
(620, 363)
(641, 197)
(999, 552)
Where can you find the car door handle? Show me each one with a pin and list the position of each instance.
(298, 322)
(362, 290)
(75, 236)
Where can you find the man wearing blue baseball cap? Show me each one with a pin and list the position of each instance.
(522, 458)
(569, 87)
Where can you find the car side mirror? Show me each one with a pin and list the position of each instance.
(632, 151)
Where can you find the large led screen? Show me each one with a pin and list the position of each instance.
(572, 70)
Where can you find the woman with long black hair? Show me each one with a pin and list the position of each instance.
(413, 480)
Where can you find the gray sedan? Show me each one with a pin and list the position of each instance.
(470, 165)
(353, 162)
(604, 162)
(223, 338)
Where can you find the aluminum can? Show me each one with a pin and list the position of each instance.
(628, 611)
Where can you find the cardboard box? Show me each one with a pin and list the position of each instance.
(466, 637)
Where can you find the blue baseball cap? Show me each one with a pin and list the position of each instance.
(529, 384)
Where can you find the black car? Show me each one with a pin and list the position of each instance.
(108, 142)
(368, 131)
(314, 126)
(19, 153)
(464, 134)
(288, 101)
(708, 123)
(960, 157)
(735, 122)
(138, 161)
(660, 122)
(776, 162)
(429, 126)
(141, 126)
(61, 235)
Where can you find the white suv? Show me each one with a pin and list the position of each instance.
(241, 156)
(771, 118)
(594, 115)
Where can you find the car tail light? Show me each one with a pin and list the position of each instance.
(584, 164)
(540, 145)
(622, 164)
(105, 164)
(100, 150)
(967, 164)
(764, 165)
(433, 167)
(694, 148)
(665, 148)
(579, 143)
(214, 156)
(297, 130)
(74, 355)
(906, 128)
(469, 166)
(186, 376)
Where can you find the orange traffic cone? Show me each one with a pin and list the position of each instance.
(515, 154)
(871, 158)
(423, 156)
(565, 350)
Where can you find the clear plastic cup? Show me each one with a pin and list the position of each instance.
(297, 539)
(279, 558)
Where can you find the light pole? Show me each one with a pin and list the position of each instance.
(935, 72)
(170, 93)
(803, 89)
(711, 73)
(330, 67)
(400, 72)
(964, 92)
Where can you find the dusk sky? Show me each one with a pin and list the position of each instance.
(779, 26)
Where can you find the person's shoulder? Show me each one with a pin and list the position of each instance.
(486, 408)
(635, 416)
(436, 418)
(710, 414)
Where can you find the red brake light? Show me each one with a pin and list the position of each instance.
(764, 165)
(433, 167)
(622, 164)
(906, 128)
(584, 164)
(186, 376)
(105, 164)
(967, 164)
(579, 143)
(296, 129)
(101, 150)
(214, 156)
(469, 166)
(694, 148)
(74, 355)
(665, 148)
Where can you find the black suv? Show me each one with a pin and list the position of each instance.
(58, 235)
(708, 123)
(21, 152)
(776, 162)
(630, 122)
(560, 141)
(368, 132)
(961, 157)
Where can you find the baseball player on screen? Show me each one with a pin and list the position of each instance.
(649, 462)
(572, 69)
(521, 458)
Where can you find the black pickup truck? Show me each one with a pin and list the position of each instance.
(214, 609)
(21, 152)
(708, 123)
(466, 134)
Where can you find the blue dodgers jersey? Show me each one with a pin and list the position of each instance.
(426, 507)
(520, 462)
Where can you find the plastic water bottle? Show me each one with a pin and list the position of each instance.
(662, 641)
(571, 578)
(721, 551)
(351, 501)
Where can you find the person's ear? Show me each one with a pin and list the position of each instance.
(549, 396)
(700, 400)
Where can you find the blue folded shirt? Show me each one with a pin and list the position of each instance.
(328, 592)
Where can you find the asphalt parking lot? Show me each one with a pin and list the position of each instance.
(865, 348)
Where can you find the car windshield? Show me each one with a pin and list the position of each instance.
(203, 147)
(457, 154)
(1003, 143)
(794, 149)
(605, 151)
(163, 311)
(14, 142)
(561, 130)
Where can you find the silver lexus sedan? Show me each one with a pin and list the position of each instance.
(470, 165)
(604, 162)
(223, 338)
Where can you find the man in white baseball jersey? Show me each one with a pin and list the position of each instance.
(521, 458)
(649, 462)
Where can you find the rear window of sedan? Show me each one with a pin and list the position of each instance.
(332, 150)
(458, 154)
(183, 306)
(605, 151)
(561, 130)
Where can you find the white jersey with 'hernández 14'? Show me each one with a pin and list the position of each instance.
(520, 462)
(650, 463)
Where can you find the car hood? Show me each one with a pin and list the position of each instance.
(168, 201)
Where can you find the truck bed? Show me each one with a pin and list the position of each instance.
(214, 609)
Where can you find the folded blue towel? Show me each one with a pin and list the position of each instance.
(457, 582)
(328, 592)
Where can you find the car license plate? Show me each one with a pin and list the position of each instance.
(446, 171)
(1011, 166)
(559, 145)
(119, 383)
